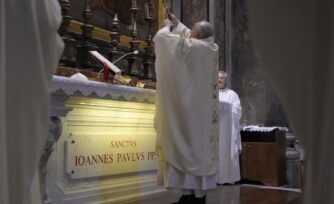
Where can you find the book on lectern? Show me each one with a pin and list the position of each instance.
(118, 78)
(105, 62)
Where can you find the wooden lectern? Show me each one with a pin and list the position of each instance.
(263, 157)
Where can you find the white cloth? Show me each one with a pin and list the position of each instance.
(229, 136)
(79, 76)
(178, 181)
(256, 128)
(295, 45)
(186, 118)
(29, 52)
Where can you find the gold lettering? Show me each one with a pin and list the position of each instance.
(123, 144)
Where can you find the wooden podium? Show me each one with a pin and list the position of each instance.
(263, 157)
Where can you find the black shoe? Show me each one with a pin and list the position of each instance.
(186, 199)
(201, 200)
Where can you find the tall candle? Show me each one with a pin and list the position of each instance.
(134, 3)
(147, 10)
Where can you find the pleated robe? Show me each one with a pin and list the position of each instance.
(229, 136)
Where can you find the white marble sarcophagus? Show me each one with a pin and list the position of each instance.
(106, 149)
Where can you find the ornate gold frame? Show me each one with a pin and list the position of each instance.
(103, 34)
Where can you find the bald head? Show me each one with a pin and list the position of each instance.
(202, 30)
(222, 79)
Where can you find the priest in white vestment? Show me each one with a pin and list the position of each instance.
(295, 45)
(30, 48)
(187, 113)
(229, 134)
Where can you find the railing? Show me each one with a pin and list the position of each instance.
(82, 37)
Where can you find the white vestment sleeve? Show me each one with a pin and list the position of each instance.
(236, 108)
(30, 48)
(237, 112)
(180, 28)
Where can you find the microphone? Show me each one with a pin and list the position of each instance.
(136, 52)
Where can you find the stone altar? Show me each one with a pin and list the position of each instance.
(105, 152)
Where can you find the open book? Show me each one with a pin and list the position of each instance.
(105, 61)
(118, 78)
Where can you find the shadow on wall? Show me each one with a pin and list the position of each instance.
(258, 99)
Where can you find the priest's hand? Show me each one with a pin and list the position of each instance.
(166, 22)
(173, 19)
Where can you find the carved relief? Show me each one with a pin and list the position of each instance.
(55, 130)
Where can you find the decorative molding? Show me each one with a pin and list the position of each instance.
(64, 86)
(102, 34)
(58, 107)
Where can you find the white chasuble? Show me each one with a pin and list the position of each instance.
(296, 50)
(187, 112)
(229, 137)
(29, 52)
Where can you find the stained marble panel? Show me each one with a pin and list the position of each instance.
(219, 33)
(258, 98)
(259, 101)
(193, 11)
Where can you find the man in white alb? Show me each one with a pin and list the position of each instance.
(187, 113)
(229, 137)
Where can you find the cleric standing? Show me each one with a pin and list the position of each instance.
(187, 113)
(229, 134)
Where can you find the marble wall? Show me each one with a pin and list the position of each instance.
(259, 101)
(219, 25)
(193, 11)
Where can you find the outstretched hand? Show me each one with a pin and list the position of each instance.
(172, 19)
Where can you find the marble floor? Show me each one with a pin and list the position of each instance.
(237, 194)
